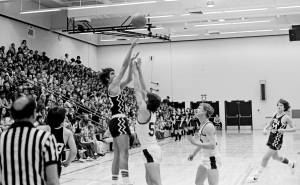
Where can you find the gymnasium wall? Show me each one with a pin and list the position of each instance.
(14, 31)
(227, 69)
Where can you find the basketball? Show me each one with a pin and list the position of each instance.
(138, 21)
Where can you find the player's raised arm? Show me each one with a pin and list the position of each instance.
(137, 87)
(117, 81)
(130, 74)
(141, 78)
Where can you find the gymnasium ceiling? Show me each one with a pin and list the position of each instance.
(188, 19)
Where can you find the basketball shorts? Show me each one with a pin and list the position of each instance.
(211, 163)
(275, 141)
(274, 145)
(152, 154)
(119, 126)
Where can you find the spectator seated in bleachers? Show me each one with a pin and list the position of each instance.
(217, 122)
(40, 124)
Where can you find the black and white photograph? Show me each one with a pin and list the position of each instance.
(149, 92)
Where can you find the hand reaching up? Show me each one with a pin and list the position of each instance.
(135, 56)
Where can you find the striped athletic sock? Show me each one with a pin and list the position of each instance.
(125, 176)
(115, 179)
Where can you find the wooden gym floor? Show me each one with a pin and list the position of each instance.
(241, 153)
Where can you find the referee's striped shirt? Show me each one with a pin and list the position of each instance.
(24, 154)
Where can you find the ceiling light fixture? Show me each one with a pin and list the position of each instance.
(112, 5)
(87, 33)
(288, 7)
(216, 12)
(109, 40)
(284, 29)
(159, 16)
(145, 29)
(41, 11)
(193, 35)
(248, 31)
(232, 23)
(235, 11)
(245, 10)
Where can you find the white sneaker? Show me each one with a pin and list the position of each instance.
(252, 179)
(89, 159)
(81, 160)
(292, 166)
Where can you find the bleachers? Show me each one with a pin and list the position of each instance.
(58, 82)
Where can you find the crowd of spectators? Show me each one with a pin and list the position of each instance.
(67, 83)
(61, 82)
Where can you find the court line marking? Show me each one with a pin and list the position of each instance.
(242, 176)
(93, 182)
(246, 176)
(66, 181)
(96, 164)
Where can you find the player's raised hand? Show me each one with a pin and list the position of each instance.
(135, 56)
(139, 63)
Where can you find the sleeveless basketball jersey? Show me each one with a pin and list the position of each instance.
(276, 138)
(146, 132)
(118, 106)
(59, 136)
(177, 121)
(204, 139)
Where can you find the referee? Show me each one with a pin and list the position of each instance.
(28, 156)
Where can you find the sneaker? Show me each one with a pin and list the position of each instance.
(292, 166)
(81, 160)
(89, 159)
(101, 154)
(252, 179)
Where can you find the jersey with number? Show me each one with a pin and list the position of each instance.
(204, 139)
(276, 138)
(59, 136)
(146, 132)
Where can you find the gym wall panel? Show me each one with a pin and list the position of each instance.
(225, 69)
